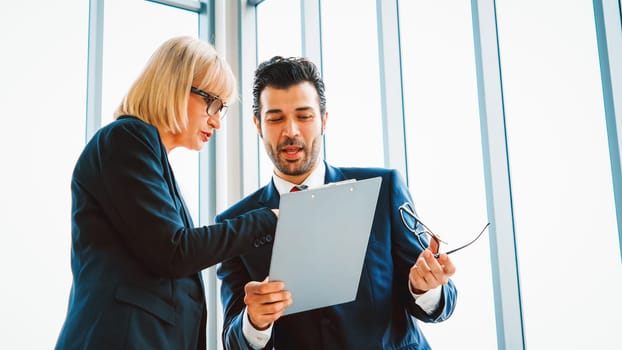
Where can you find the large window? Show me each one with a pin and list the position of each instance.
(43, 103)
(568, 251)
(351, 73)
(443, 147)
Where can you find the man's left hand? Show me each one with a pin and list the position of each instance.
(429, 272)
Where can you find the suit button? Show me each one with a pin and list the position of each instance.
(262, 241)
(256, 243)
(268, 238)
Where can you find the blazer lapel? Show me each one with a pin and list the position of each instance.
(269, 196)
(333, 174)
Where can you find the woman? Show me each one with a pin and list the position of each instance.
(136, 257)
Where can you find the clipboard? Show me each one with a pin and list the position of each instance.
(321, 240)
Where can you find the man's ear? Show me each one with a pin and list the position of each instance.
(258, 125)
(324, 118)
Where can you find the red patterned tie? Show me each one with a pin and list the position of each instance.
(298, 188)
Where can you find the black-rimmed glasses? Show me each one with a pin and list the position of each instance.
(410, 220)
(214, 103)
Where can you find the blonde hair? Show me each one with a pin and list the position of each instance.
(160, 94)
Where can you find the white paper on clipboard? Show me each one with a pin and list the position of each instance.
(321, 240)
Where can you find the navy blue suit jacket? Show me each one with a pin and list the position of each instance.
(384, 312)
(135, 255)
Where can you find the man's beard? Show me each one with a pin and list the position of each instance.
(300, 166)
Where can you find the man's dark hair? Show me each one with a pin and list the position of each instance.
(281, 73)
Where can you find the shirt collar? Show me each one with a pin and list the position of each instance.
(315, 179)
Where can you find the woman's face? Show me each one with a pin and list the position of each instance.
(200, 126)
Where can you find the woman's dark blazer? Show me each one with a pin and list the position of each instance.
(136, 257)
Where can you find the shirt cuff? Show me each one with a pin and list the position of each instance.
(256, 339)
(428, 301)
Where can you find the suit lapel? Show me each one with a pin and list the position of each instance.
(269, 196)
(333, 174)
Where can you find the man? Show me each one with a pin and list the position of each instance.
(401, 278)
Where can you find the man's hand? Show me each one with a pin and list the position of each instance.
(429, 272)
(265, 302)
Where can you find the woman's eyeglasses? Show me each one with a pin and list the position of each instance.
(410, 220)
(214, 103)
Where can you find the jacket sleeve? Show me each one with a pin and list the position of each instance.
(135, 192)
(406, 250)
(233, 337)
(234, 277)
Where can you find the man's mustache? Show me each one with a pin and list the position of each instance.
(290, 142)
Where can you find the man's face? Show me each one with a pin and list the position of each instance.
(291, 128)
